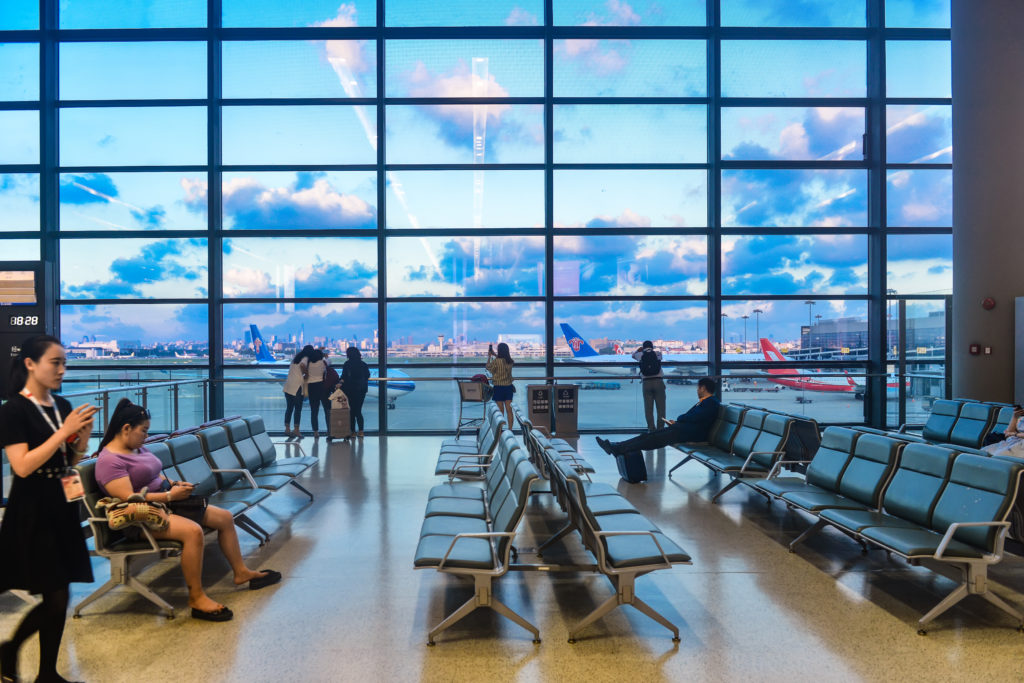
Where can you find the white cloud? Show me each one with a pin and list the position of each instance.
(520, 17)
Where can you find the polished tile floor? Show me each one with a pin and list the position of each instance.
(351, 607)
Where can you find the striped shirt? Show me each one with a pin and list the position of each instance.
(501, 372)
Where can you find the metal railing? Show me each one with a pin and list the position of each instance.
(101, 397)
(183, 410)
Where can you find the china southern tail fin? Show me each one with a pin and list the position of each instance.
(580, 348)
(263, 354)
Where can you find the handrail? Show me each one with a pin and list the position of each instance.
(103, 395)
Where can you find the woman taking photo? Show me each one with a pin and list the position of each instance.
(41, 542)
(125, 467)
(500, 366)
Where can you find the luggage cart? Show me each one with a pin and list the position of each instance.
(471, 391)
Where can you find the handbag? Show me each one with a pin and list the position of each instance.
(135, 511)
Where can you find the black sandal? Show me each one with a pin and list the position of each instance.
(269, 578)
(222, 614)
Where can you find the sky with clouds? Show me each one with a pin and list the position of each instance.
(762, 263)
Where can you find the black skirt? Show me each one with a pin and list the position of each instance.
(42, 545)
(193, 507)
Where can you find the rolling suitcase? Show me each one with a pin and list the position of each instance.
(340, 427)
(632, 466)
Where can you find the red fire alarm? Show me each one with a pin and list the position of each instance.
(988, 303)
(975, 349)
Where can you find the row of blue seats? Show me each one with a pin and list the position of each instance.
(962, 422)
(744, 444)
(624, 542)
(233, 464)
(927, 503)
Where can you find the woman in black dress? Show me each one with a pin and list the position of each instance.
(41, 539)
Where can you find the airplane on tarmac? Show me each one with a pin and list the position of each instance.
(801, 379)
(811, 382)
(612, 364)
(797, 378)
(393, 391)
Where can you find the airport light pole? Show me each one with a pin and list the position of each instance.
(745, 332)
(818, 324)
(810, 309)
(724, 316)
(757, 324)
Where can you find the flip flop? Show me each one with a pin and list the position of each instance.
(222, 614)
(269, 578)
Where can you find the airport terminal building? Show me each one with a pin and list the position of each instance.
(192, 192)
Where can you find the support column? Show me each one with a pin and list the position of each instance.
(988, 205)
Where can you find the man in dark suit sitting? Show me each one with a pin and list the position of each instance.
(693, 425)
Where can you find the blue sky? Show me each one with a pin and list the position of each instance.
(596, 264)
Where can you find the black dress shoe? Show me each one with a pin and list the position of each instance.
(605, 445)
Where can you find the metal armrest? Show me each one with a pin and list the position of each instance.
(145, 532)
(457, 468)
(909, 425)
(753, 453)
(948, 536)
(246, 474)
(774, 471)
(482, 534)
(606, 534)
(293, 444)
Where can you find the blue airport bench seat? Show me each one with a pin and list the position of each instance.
(559, 444)
(471, 463)
(123, 554)
(771, 446)
(231, 470)
(192, 466)
(477, 502)
(250, 457)
(973, 425)
(483, 434)
(940, 421)
(723, 432)
(955, 518)
(268, 449)
(475, 548)
(805, 434)
(758, 443)
(624, 542)
(859, 487)
(823, 471)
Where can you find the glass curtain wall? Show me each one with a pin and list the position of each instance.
(747, 183)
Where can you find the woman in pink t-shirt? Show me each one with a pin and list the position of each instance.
(124, 467)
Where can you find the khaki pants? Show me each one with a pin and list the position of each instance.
(654, 395)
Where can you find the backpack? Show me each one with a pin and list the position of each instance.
(650, 364)
(331, 377)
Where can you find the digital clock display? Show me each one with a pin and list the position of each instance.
(23, 320)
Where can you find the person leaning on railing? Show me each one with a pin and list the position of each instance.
(124, 467)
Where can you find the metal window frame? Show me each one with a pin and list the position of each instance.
(873, 34)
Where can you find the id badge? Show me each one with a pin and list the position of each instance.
(73, 489)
